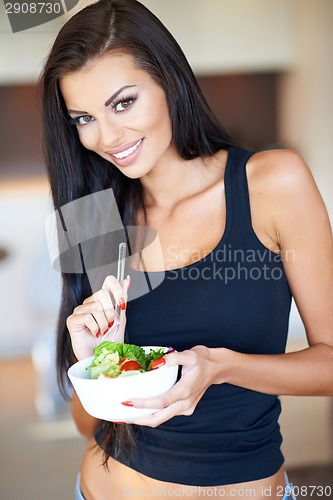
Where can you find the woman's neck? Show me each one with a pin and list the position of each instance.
(177, 179)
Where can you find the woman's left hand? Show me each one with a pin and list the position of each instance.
(198, 373)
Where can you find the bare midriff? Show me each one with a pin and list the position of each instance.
(120, 482)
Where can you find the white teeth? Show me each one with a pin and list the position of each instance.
(128, 151)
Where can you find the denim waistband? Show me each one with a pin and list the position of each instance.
(78, 492)
(288, 489)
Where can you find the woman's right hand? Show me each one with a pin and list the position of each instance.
(91, 320)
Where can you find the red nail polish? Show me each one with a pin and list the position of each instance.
(157, 363)
(97, 334)
(118, 422)
(111, 323)
(122, 304)
(106, 331)
(127, 403)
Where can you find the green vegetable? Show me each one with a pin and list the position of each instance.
(109, 356)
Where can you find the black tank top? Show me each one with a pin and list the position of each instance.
(236, 297)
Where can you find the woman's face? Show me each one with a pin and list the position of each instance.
(120, 113)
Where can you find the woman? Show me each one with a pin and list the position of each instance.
(122, 110)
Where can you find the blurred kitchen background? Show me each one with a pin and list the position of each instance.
(266, 69)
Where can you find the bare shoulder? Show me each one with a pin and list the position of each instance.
(283, 194)
(283, 176)
(280, 169)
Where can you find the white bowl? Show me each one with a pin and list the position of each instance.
(102, 398)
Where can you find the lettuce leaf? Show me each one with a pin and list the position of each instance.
(107, 355)
(154, 354)
(130, 351)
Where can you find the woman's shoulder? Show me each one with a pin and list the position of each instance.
(280, 172)
(284, 193)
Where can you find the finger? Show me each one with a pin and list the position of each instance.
(78, 322)
(180, 358)
(97, 311)
(179, 392)
(164, 414)
(103, 301)
(160, 416)
(188, 359)
(112, 285)
(126, 283)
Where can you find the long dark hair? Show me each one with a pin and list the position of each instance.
(74, 171)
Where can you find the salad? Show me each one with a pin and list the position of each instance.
(116, 359)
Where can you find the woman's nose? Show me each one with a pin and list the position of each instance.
(110, 136)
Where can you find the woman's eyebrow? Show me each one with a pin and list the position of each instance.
(112, 98)
(76, 112)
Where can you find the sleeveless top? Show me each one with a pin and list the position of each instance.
(236, 297)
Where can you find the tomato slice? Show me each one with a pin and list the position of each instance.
(130, 365)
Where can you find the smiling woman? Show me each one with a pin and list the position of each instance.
(123, 110)
(131, 128)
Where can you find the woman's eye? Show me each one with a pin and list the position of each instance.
(122, 105)
(83, 120)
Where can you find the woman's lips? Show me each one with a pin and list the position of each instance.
(125, 154)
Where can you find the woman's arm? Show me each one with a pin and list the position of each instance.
(305, 239)
(86, 325)
(304, 236)
(303, 373)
